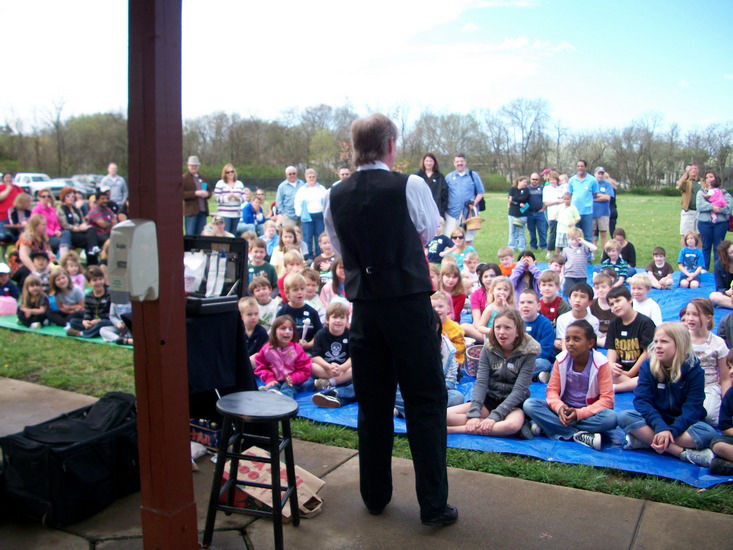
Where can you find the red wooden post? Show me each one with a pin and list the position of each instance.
(161, 381)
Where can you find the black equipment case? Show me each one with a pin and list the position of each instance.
(71, 467)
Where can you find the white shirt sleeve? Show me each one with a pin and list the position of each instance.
(421, 207)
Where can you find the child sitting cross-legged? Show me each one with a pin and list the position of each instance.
(659, 270)
(614, 260)
(486, 272)
(96, 307)
(668, 401)
(307, 321)
(579, 404)
(256, 334)
(600, 307)
(627, 339)
(258, 266)
(640, 286)
(506, 260)
(33, 303)
(331, 360)
(551, 303)
(448, 360)
(502, 381)
(539, 328)
(282, 364)
(268, 306)
(581, 296)
(294, 263)
(526, 273)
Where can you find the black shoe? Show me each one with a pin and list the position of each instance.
(721, 467)
(526, 431)
(447, 517)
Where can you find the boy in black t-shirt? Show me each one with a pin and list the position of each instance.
(307, 322)
(659, 270)
(331, 360)
(627, 339)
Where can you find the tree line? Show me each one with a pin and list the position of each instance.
(514, 140)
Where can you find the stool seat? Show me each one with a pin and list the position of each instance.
(257, 406)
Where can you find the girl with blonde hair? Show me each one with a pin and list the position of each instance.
(668, 400)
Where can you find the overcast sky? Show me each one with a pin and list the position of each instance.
(598, 64)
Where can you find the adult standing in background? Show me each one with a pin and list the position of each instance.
(116, 184)
(309, 202)
(344, 172)
(553, 197)
(602, 206)
(285, 197)
(430, 172)
(689, 184)
(464, 185)
(379, 221)
(583, 188)
(536, 217)
(229, 193)
(195, 198)
(712, 232)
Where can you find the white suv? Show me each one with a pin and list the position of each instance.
(31, 182)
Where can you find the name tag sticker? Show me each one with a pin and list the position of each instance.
(661, 386)
(624, 333)
(529, 329)
(552, 310)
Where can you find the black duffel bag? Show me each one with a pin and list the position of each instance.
(71, 467)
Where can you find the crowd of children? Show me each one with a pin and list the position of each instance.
(531, 325)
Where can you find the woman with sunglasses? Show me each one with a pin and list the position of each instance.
(58, 238)
(460, 248)
(229, 194)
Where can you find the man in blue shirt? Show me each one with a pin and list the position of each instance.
(285, 198)
(602, 206)
(583, 188)
(536, 219)
(464, 185)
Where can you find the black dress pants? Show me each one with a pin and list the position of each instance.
(395, 341)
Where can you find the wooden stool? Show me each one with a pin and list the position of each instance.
(261, 408)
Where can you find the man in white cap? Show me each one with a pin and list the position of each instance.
(195, 198)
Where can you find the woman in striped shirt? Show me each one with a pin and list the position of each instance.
(229, 194)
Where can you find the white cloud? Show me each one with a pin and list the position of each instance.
(470, 27)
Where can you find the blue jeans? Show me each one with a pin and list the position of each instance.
(700, 432)
(541, 365)
(517, 239)
(539, 411)
(242, 227)
(537, 221)
(454, 398)
(586, 225)
(292, 391)
(93, 332)
(311, 231)
(712, 234)
(345, 393)
(194, 225)
(551, 235)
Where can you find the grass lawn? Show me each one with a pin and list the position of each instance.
(648, 221)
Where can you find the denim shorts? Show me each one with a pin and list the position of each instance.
(700, 432)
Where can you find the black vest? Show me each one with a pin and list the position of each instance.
(382, 253)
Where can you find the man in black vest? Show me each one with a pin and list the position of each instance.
(379, 221)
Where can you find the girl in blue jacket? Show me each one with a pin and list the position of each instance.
(669, 400)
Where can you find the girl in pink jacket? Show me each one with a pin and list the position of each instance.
(281, 363)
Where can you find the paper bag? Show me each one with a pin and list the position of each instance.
(307, 485)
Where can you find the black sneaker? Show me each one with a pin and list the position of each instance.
(447, 517)
(721, 467)
(526, 431)
(589, 439)
(326, 400)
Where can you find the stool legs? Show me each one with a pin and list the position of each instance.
(226, 434)
(277, 516)
(290, 467)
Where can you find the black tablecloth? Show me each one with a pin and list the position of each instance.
(217, 359)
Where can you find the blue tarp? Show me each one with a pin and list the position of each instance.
(612, 455)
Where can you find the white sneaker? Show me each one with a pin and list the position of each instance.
(544, 376)
(35, 325)
(634, 443)
(588, 439)
(535, 428)
(701, 458)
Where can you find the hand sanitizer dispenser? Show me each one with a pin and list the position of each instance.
(132, 266)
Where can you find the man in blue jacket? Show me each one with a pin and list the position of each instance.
(464, 185)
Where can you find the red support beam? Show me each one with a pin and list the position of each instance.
(161, 381)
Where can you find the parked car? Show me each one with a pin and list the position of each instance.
(25, 179)
(55, 186)
(86, 183)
